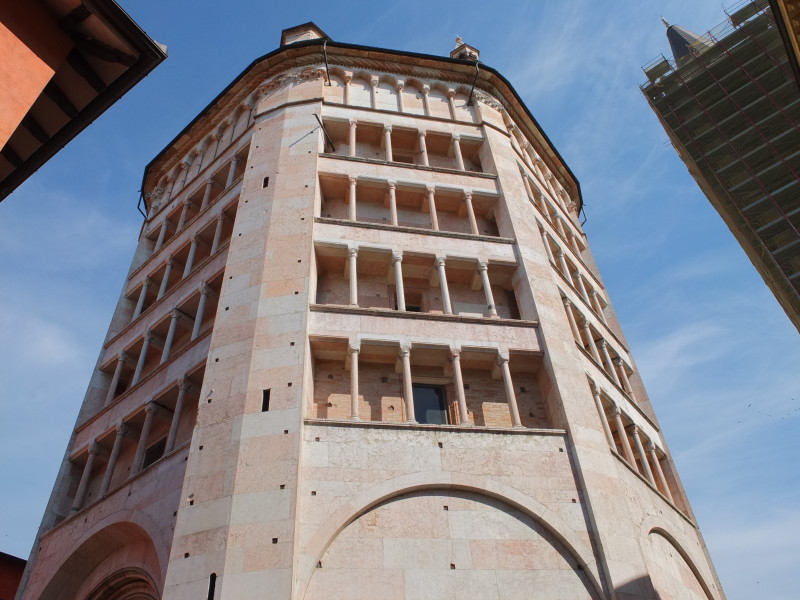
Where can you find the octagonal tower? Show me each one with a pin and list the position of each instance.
(363, 351)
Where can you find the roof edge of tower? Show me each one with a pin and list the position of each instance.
(487, 75)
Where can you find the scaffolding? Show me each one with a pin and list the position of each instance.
(732, 110)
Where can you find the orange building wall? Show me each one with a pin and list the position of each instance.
(32, 47)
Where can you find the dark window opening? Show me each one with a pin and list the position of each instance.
(154, 452)
(265, 400)
(429, 404)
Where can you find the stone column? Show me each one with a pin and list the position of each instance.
(352, 254)
(408, 389)
(571, 317)
(183, 387)
(430, 192)
(184, 173)
(457, 152)
(426, 102)
(607, 361)
(393, 202)
(173, 325)
(473, 223)
(352, 137)
(348, 77)
(397, 261)
(400, 102)
(187, 268)
(581, 287)
(351, 197)
(502, 360)
(547, 248)
(137, 374)
(651, 450)
(353, 350)
(562, 261)
(596, 305)
(451, 103)
(573, 241)
(423, 149)
(141, 448)
(184, 215)
(590, 340)
(623, 437)
(559, 224)
(387, 140)
(232, 171)
(623, 373)
(463, 413)
(642, 456)
(168, 193)
(598, 401)
(165, 280)
(527, 184)
(201, 308)
(448, 308)
(217, 234)
(162, 235)
(80, 495)
(207, 194)
(122, 358)
(483, 269)
(122, 431)
(374, 95)
(142, 296)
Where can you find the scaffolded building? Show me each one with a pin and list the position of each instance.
(731, 106)
(362, 352)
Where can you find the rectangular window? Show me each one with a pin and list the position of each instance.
(430, 406)
(265, 401)
(154, 452)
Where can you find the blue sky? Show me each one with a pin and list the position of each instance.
(717, 354)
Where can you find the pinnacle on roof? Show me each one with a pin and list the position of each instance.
(684, 43)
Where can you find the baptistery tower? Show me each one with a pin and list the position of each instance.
(363, 351)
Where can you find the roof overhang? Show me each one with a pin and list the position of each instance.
(103, 54)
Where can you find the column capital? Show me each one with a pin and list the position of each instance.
(483, 265)
(221, 217)
(170, 261)
(148, 335)
(455, 353)
(456, 136)
(122, 428)
(175, 313)
(94, 448)
(400, 85)
(602, 343)
(405, 350)
(150, 406)
(567, 302)
(185, 384)
(205, 290)
(352, 179)
(502, 357)
(617, 360)
(210, 181)
(577, 275)
(352, 252)
(451, 92)
(391, 185)
(353, 347)
(440, 261)
(467, 194)
(353, 122)
(595, 388)
(560, 252)
(387, 128)
(123, 357)
(616, 409)
(422, 133)
(374, 81)
(196, 237)
(651, 447)
(426, 88)
(147, 282)
(430, 189)
(634, 429)
(347, 77)
(397, 257)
